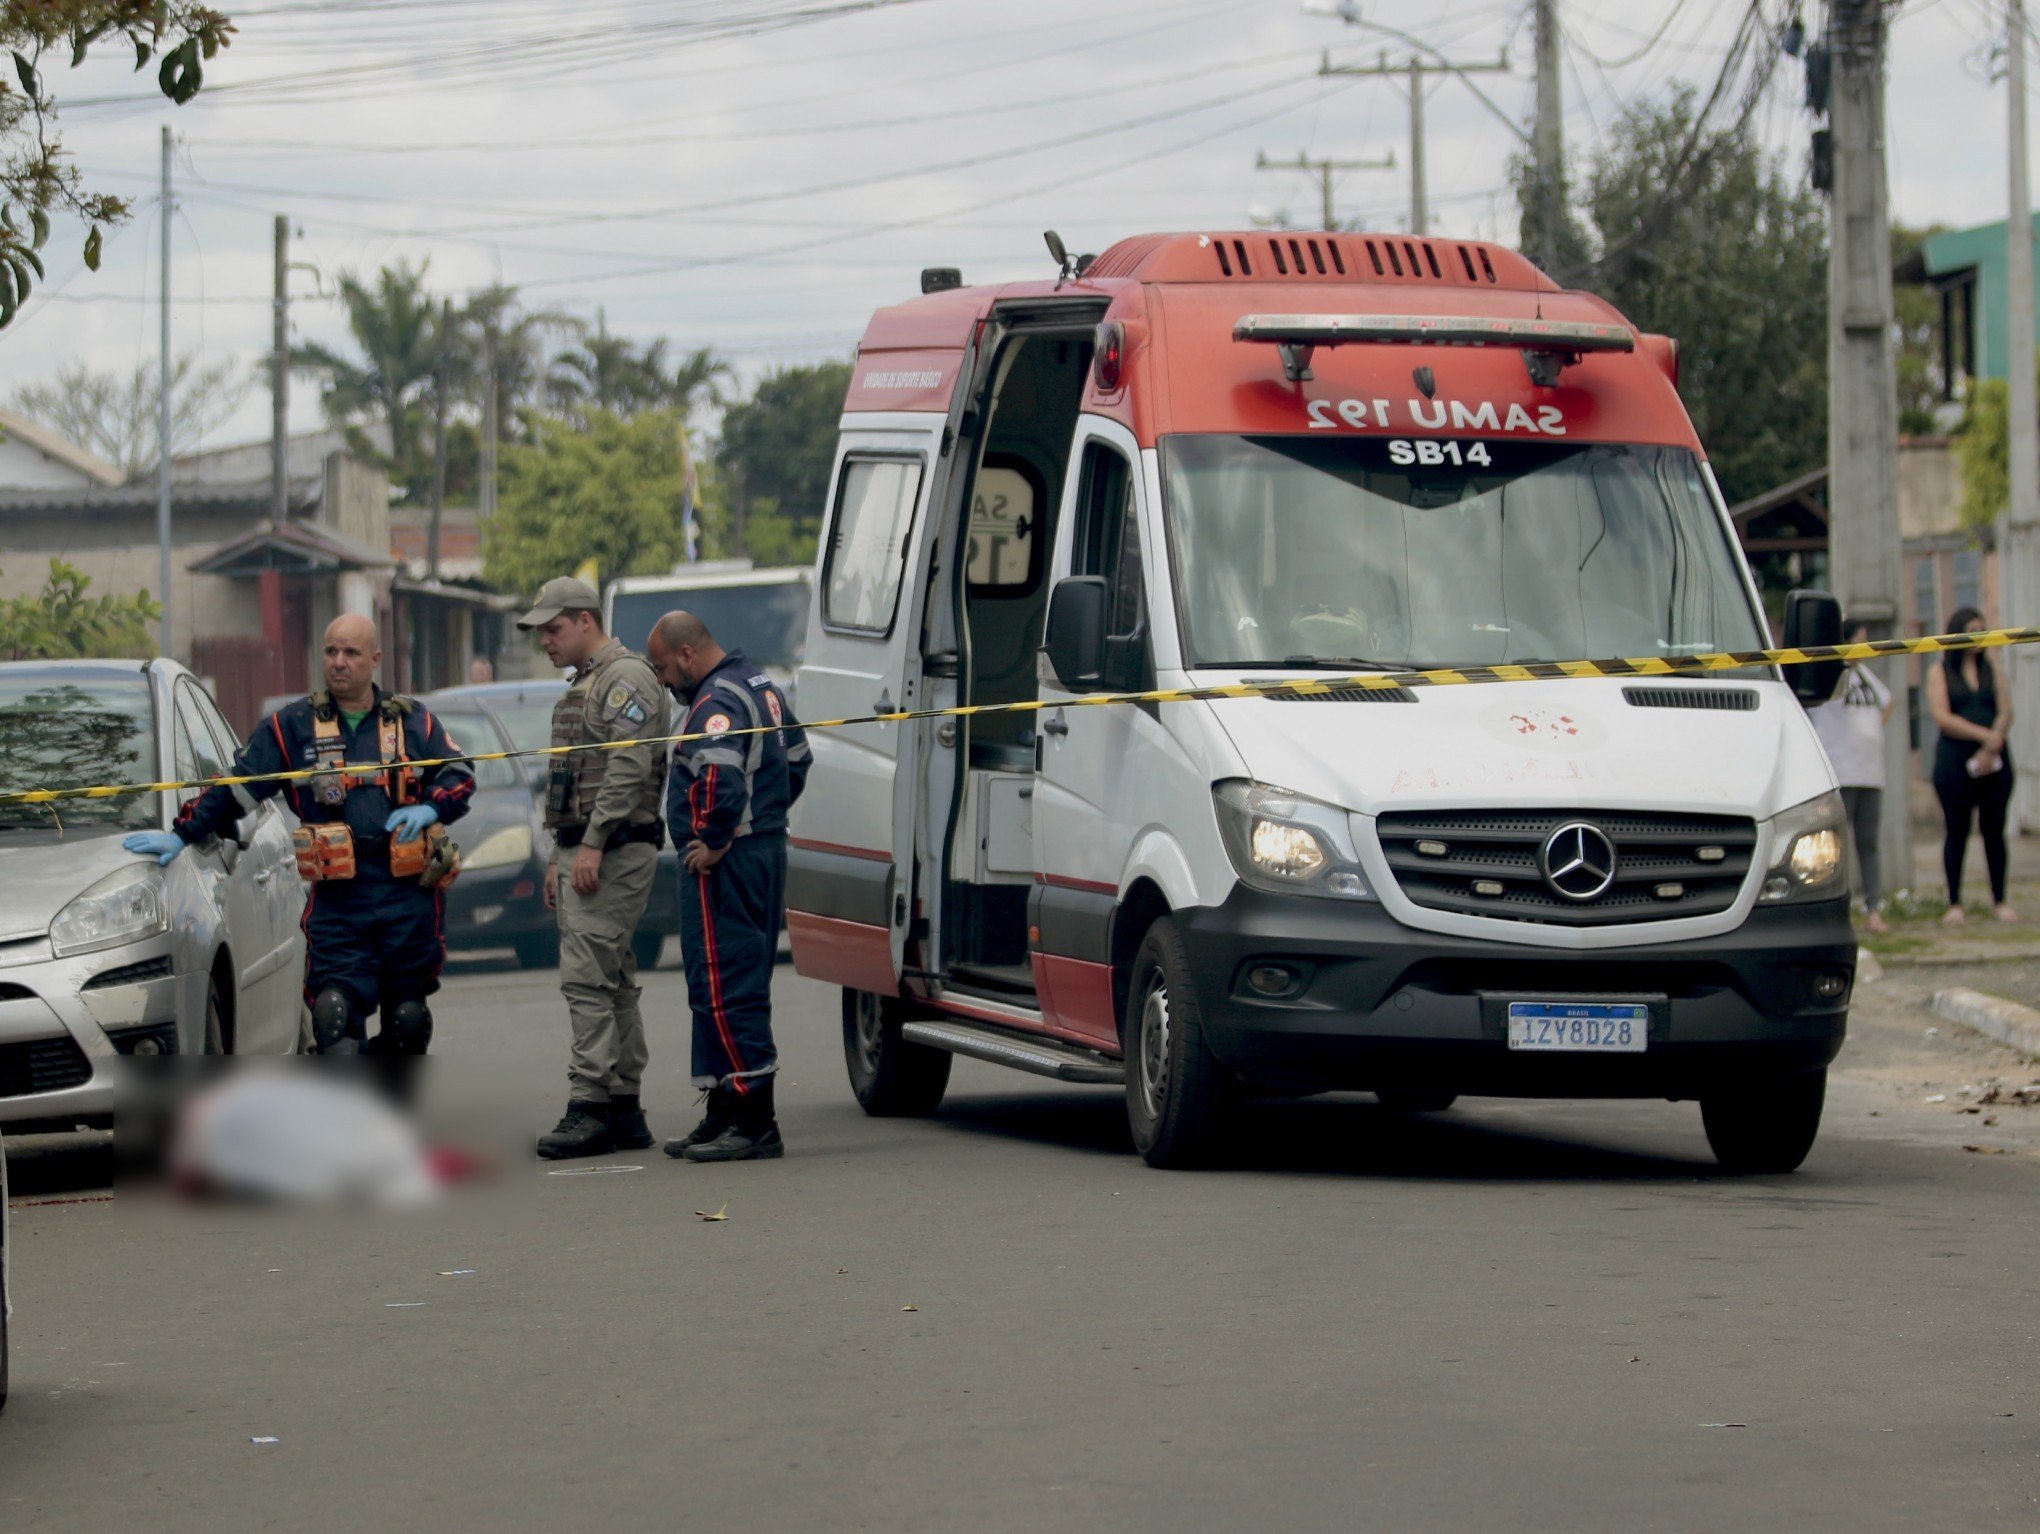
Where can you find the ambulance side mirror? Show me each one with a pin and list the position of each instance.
(1813, 618)
(1075, 639)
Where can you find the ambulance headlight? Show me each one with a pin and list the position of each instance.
(1807, 855)
(1289, 843)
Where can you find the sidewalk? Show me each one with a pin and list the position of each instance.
(1917, 936)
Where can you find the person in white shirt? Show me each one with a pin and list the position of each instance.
(1851, 726)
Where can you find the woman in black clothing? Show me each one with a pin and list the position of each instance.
(1972, 769)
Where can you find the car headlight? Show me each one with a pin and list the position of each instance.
(120, 908)
(501, 848)
(1284, 841)
(1808, 857)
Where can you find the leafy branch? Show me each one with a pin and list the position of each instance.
(36, 178)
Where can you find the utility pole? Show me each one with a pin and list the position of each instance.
(279, 378)
(163, 413)
(1864, 539)
(2019, 541)
(439, 390)
(1547, 138)
(1414, 71)
(486, 491)
(1324, 169)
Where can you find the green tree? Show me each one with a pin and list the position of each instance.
(612, 491)
(395, 325)
(1735, 270)
(608, 372)
(697, 379)
(61, 622)
(1920, 383)
(37, 179)
(774, 459)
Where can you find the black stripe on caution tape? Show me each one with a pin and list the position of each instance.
(1291, 687)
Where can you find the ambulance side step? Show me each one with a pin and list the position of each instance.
(1043, 1057)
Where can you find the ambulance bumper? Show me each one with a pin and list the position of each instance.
(1374, 1005)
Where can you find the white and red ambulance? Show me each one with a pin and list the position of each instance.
(1202, 459)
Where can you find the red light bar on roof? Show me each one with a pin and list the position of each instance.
(1548, 346)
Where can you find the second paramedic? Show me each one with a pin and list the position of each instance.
(370, 847)
(727, 798)
(602, 808)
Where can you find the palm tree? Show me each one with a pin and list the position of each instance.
(700, 375)
(395, 325)
(491, 321)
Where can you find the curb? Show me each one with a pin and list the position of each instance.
(2006, 1021)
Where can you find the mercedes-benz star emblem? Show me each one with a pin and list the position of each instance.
(1579, 861)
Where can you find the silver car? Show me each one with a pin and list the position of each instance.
(103, 953)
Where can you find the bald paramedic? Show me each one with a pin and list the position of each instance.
(371, 845)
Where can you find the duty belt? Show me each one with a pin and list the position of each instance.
(652, 831)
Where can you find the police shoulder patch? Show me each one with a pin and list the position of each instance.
(623, 703)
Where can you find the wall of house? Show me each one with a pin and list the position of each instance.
(118, 550)
(23, 467)
(1929, 487)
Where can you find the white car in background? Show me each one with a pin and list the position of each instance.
(102, 952)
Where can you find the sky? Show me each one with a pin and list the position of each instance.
(758, 175)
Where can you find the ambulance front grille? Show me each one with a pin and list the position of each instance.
(1489, 863)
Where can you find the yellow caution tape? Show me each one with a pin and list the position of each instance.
(1293, 687)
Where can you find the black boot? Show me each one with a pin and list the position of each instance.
(753, 1133)
(627, 1127)
(583, 1131)
(714, 1121)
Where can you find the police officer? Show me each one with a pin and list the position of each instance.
(375, 937)
(727, 798)
(602, 808)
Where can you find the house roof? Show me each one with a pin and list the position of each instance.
(294, 546)
(61, 448)
(117, 500)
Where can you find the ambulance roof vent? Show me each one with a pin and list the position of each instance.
(1264, 256)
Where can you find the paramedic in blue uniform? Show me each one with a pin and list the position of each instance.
(374, 942)
(727, 798)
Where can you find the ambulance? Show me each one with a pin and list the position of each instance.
(1200, 460)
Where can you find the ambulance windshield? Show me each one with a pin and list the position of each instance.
(1349, 551)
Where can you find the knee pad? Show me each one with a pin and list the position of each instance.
(334, 1029)
(411, 1022)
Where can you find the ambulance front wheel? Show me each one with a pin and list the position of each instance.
(892, 1077)
(1179, 1098)
(1768, 1128)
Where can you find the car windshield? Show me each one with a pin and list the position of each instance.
(472, 731)
(1408, 554)
(58, 731)
(768, 622)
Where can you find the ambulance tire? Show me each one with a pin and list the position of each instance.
(892, 1077)
(1179, 1099)
(1766, 1129)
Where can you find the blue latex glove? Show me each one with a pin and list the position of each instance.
(160, 845)
(409, 823)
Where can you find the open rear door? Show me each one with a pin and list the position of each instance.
(850, 885)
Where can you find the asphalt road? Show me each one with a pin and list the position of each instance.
(1511, 1316)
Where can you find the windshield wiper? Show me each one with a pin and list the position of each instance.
(1343, 663)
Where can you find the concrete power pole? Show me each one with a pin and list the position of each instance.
(279, 379)
(1324, 169)
(2019, 547)
(485, 495)
(1414, 71)
(1864, 535)
(163, 413)
(439, 392)
(1547, 137)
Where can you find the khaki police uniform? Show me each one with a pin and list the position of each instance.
(609, 799)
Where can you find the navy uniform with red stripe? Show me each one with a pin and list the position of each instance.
(374, 941)
(731, 792)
